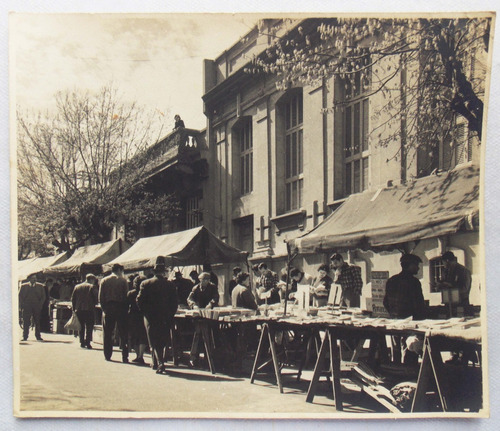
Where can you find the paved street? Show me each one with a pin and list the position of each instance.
(57, 375)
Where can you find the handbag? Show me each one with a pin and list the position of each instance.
(73, 324)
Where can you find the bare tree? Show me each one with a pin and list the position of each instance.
(79, 171)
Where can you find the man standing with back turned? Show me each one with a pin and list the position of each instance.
(157, 299)
(83, 300)
(113, 300)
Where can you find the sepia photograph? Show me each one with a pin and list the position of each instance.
(249, 215)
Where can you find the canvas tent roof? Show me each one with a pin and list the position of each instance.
(34, 265)
(190, 247)
(89, 258)
(427, 207)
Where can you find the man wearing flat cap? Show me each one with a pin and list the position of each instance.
(113, 299)
(349, 278)
(403, 291)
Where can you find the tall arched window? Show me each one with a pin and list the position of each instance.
(242, 131)
(294, 151)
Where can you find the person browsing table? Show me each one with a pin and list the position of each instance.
(204, 294)
(241, 296)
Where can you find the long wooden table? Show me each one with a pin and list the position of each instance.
(438, 335)
(342, 325)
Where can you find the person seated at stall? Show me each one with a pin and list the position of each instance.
(455, 276)
(241, 295)
(183, 287)
(321, 286)
(204, 294)
(233, 282)
(404, 298)
(267, 292)
(298, 277)
(349, 279)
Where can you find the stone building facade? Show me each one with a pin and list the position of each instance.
(280, 162)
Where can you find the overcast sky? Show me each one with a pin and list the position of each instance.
(154, 59)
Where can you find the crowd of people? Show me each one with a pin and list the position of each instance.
(142, 306)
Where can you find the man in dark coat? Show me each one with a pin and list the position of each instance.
(157, 299)
(404, 298)
(137, 331)
(113, 300)
(84, 300)
(403, 291)
(31, 299)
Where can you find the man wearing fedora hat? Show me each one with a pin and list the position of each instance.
(113, 299)
(157, 299)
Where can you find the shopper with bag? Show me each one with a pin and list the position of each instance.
(84, 300)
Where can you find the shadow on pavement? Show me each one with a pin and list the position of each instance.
(200, 377)
(30, 342)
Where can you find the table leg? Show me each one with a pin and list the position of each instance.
(173, 341)
(274, 355)
(207, 340)
(196, 341)
(335, 370)
(318, 368)
(430, 372)
(263, 334)
(437, 368)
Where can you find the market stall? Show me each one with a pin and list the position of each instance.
(35, 265)
(89, 258)
(428, 207)
(195, 246)
(397, 217)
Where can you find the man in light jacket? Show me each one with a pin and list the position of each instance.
(84, 299)
(113, 300)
